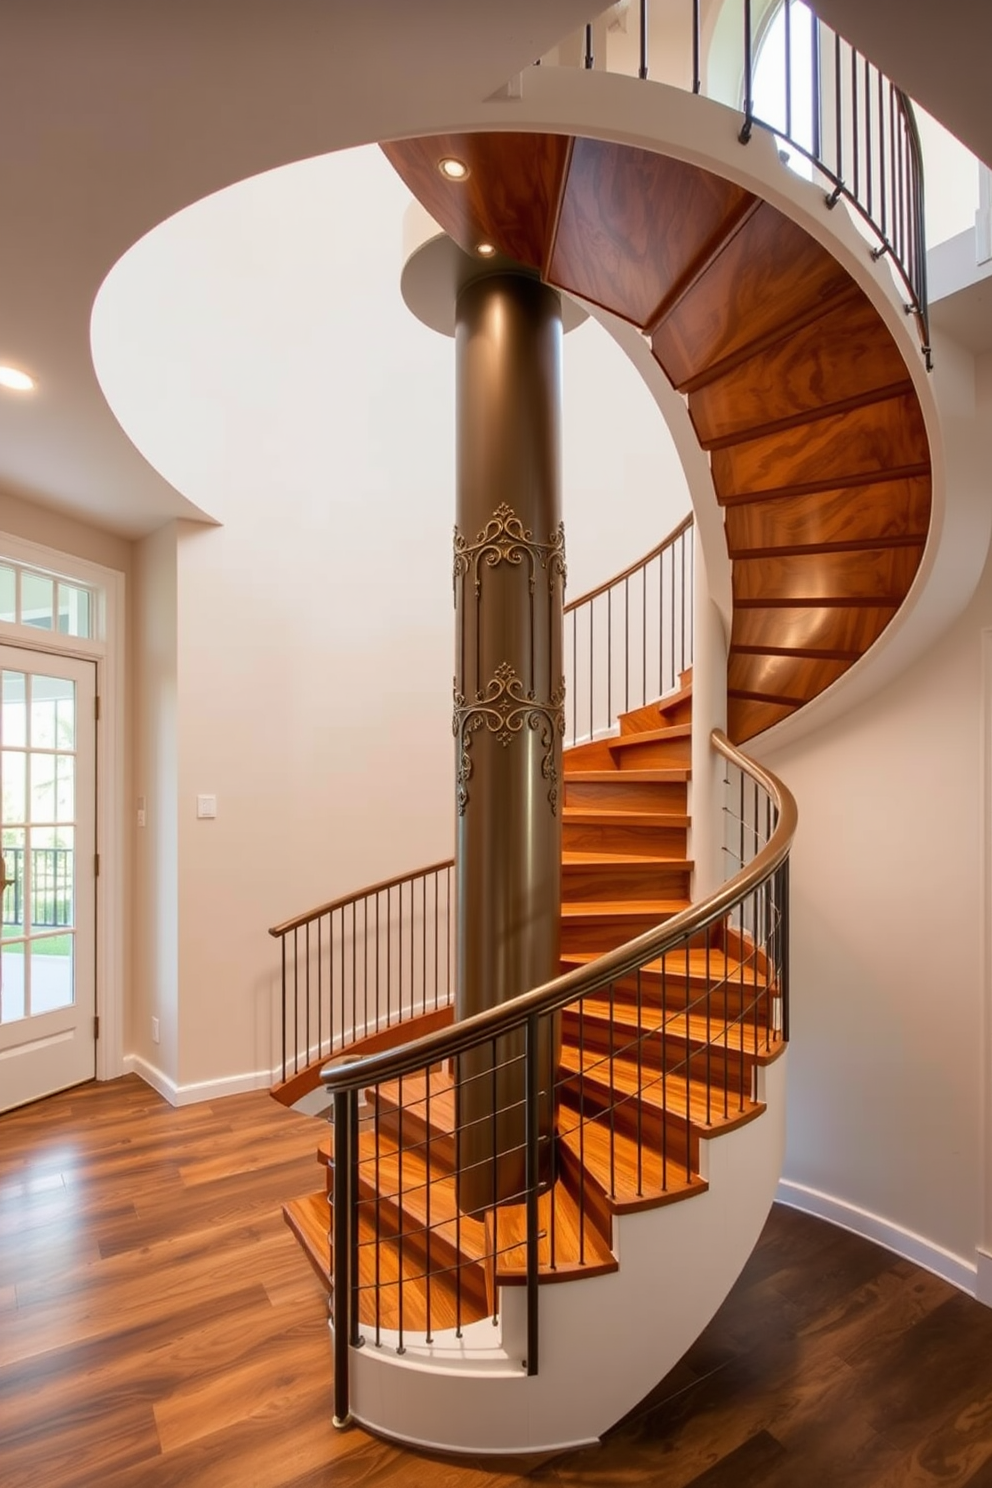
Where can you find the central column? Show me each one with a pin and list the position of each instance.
(509, 576)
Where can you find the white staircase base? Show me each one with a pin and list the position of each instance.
(604, 1342)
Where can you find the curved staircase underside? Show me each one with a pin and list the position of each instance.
(795, 386)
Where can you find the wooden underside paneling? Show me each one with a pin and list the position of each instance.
(842, 358)
(888, 436)
(510, 197)
(812, 628)
(747, 717)
(633, 223)
(795, 677)
(897, 510)
(769, 274)
(871, 574)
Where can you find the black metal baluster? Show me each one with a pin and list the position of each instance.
(427, 1196)
(283, 954)
(589, 59)
(296, 1001)
(306, 980)
(582, 1131)
(745, 132)
(642, 70)
(639, 1109)
(697, 81)
(592, 653)
(626, 644)
(341, 1256)
(532, 1135)
(401, 1346)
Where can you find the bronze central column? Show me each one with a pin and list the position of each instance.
(509, 576)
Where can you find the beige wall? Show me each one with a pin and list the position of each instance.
(885, 1079)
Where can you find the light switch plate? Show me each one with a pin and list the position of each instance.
(206, 807)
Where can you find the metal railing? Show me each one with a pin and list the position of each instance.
(665, 1034)
(627, 642)
(373, 959)
(832, 105)
(51, 887)
(365, 962)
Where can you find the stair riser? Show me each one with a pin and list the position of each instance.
(410, 1129)
(618, 794)
(388, 1219)
(610, 837)
(654, 754)
(632, 881)
(591, 934)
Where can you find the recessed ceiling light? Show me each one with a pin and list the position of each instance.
(452, 168)
(15, 380)
(485, 250)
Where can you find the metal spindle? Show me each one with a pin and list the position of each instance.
(642, 70)
(296, 1002)
(284, 1009)
(697, 81)
(532, 1136)
(745, 132)
(342, 1254)
(589, 56)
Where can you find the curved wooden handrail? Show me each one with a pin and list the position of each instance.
(610, 967)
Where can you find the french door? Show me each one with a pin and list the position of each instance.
(48, 882)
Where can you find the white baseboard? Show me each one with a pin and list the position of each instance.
(201, 1090)
(983, 1290)
(966, 1275)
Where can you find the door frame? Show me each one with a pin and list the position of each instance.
(107, 649)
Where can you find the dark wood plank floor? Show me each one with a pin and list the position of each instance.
(159, 1327)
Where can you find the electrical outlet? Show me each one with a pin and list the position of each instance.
(154, 1030)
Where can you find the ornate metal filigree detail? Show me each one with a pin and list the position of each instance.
(504, 708)
(505, 539)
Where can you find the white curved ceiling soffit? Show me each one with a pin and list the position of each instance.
(113, 117)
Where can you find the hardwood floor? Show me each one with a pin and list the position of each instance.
(159, 1326)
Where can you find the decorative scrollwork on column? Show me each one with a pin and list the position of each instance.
(505, 539)
(504, 708)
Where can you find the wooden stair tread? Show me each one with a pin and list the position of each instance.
(629, 777)
(567, 1248)
(650, 736)
(309, 1219)
(595, 816)
(622, 859)
(622, 909)
(738, 1036)
(674, 1095)
(626, 1183)
(731, 969)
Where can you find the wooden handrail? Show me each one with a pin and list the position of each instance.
(610, 967)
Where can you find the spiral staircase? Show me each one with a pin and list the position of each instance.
(807, 406)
